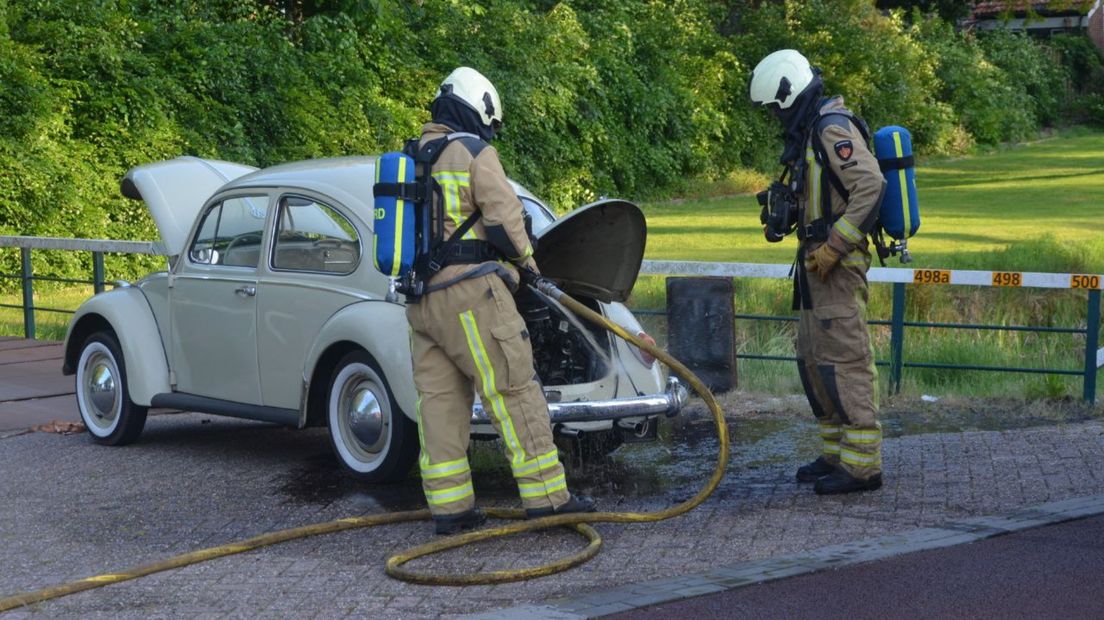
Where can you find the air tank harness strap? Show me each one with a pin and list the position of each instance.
(897, 163)
(817, 231)
(458, 251)
(403, 191)
(802, 295)
(440, 255)
(470, 251)
(496, 268)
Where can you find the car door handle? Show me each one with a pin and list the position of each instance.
(246, 291)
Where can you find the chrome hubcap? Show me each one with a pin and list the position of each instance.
(101, 389)
(364, 417)
(359, 414)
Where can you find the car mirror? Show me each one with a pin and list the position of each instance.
(206, 256)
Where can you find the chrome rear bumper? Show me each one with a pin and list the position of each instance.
(669, 403)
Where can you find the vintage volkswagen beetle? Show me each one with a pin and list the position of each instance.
(271, 309)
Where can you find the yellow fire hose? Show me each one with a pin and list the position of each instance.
(577, 521)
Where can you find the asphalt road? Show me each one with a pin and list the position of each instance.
(1048, 572)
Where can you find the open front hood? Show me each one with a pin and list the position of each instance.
(595, 251)
(174, 191)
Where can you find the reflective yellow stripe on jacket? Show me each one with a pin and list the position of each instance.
(812, 207)
(451, 181)
(847, 231)
(855, 259)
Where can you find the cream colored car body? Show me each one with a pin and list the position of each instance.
(260, 342)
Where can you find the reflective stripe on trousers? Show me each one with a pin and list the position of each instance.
(829, 440)
(521, 466)
(469, 335)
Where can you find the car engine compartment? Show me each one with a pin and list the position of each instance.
(565, 351)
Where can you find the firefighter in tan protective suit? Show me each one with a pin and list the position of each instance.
(466, 331)
(837, 186)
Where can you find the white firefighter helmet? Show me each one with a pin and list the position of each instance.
(779, 78)
(477, 92)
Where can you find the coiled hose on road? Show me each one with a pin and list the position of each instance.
(580, 522)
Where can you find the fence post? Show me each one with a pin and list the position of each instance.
(1092, 341)
(897, 337)
(28, 293)
(97, 272)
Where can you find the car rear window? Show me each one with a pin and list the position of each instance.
(313, 236)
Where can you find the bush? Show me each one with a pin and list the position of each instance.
(1032, 69)
(1082, 61)
(987, 102)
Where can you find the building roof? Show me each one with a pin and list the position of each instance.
(1019, 8)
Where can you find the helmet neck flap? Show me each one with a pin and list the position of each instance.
(450, 110)
(798, 118)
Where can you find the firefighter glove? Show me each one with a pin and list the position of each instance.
(529, 274)
(822, 260)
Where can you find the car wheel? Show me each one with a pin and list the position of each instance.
(371, 437)
(102, 394)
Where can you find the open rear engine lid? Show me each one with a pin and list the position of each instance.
(595, 251)
(175, 190)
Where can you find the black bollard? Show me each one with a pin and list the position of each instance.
(700, 330)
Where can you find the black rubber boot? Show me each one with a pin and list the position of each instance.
(577, 503)
(815, 471)
(454, 524)
(840, 481)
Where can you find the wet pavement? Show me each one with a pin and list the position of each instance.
(71, 509)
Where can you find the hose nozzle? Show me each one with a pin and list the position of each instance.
(541, 284)
(548, 287)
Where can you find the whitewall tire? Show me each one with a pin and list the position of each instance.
(102, 394)
(370, 436)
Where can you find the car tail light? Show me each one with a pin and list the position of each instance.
(644, 356)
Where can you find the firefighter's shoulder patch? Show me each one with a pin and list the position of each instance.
(844, 149)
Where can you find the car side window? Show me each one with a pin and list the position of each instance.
(313, 236)
(231, 233)
(542, 218)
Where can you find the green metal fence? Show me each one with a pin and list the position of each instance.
(27, 277)
(900, 279)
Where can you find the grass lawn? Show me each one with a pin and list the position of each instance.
(48, 325)
(1032, 207)
(975, 212)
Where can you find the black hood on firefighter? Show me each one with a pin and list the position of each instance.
(450, 110)
(797, 118)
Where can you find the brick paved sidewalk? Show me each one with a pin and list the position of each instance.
(71, 509)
